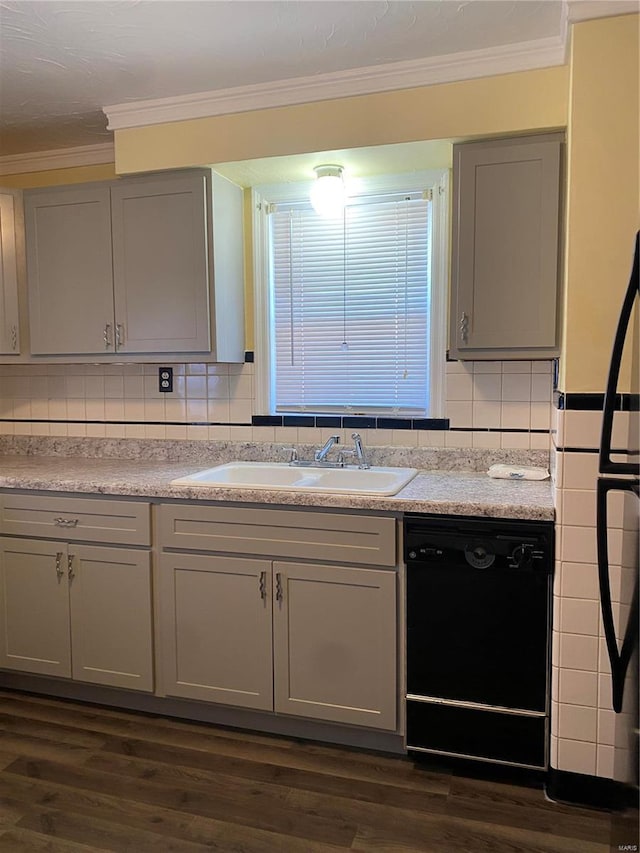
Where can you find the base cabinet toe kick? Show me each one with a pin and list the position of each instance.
(291, 613)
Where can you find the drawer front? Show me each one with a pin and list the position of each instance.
(76, 519)
(348, 538)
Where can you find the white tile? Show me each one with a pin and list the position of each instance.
(516, 387)
(604, 665)
(540, 441)
(606, 727)
(154, 431)
(176, 432)
(515, 415)
(516, 367)
(579, 616)
(175, 410)
(578, 687)
(576, 756)
(553, 756)
(263, 434)
(541, 388)
(404, 438)
(465, 367)
(196, 369)
(134, 431)
(134, 387)
(580, 580)
(241, 433)
(577, 723)
(579, 544)
(197, 410)
(579, 507)
(114, 387)
(487, 386)
(459, 386)
(218, 411)
(95, 431)
(487, 367)
(604, 691)
(457, 439)
(240, 411)
(582, 429)
(197, 433)
(542, 367)
(114, 410)
(383, 437)
(605, 762)
(288, 435)
(515, 441)
(74, 386)
(557, 426)
(540, 416)
(486, 439)
(487, 414)
(578, 651)
(431, 438)
(218, 387)
(459, 413)
(580, 470)
(241, 387)
(555, 647)
(196, 387)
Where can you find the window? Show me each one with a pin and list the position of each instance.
(351, 310)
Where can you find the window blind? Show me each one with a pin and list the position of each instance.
(350, 306)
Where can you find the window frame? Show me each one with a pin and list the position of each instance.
(434, 181)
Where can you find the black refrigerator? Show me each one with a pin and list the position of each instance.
(618, 508)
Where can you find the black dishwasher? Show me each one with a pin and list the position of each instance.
(478, 638)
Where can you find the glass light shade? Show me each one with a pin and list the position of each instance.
(328, 194)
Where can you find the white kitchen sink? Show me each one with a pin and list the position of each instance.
(284, 477)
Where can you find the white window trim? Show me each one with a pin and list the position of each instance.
(436, 180)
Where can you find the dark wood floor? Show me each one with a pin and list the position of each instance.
(75, 777)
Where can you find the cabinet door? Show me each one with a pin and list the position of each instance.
(335, 644)
(69, 270)
(9, 342)
(505, 248)
(215, 625)
(161, 264)
(111, 633)
(34, 607)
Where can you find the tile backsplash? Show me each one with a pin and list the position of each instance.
(489, 405)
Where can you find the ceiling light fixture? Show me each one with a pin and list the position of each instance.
(328, 193)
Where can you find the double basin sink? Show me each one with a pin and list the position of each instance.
(280, 476)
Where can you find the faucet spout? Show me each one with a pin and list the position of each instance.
(321, 455)
(360, 451)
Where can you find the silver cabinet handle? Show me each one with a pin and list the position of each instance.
(464, 327)
(106, 336)
(66, 522)
(70, 572)
(14, 337)
(119, 335)
(263, 585)
(59, 569)
(279, 593)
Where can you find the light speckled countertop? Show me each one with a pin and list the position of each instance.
(431, 491)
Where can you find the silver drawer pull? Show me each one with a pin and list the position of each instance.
(279, 593)
(106, 336)
(59, 569)
(263, 585)
(464, 328)
(66, 522)
(70, 571)
(119, 335)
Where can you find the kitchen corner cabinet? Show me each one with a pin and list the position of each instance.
(505, 263)
(72, 609)
(304, 639)
(127, 267)
(9, 326)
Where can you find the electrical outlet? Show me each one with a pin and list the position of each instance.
(165, 379)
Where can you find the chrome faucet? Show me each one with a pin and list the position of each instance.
(321, 455)
(360, 451)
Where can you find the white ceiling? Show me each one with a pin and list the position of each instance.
(61, 61)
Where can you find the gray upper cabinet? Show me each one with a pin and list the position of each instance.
(9, 327)
(127, 267)
(505, 265)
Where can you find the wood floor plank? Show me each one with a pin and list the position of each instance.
(245, 803)
(212, 763)
(17, 840)
(274, 750)
(31, 793)
(57, 732)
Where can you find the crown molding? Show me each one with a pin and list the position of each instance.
(409, 74)
(60, 158)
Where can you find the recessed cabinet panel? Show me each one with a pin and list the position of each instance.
(34, 607)
(216, 629)
(161, 265)
(505, 248)
(9, 327)
(68, 237)
(335, 644)
(111, 632)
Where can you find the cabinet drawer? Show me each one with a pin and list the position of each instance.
(75, 519)
(348, 538)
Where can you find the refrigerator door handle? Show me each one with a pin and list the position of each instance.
(606, 464)
(619, 659)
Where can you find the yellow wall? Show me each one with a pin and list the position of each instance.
(603, 194)
(508, 103)
(59, 177)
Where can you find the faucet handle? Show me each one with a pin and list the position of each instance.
(294, 454)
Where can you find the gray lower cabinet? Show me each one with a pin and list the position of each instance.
(305, 639)
(76, 611)
(127, 267)
(505, 255)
